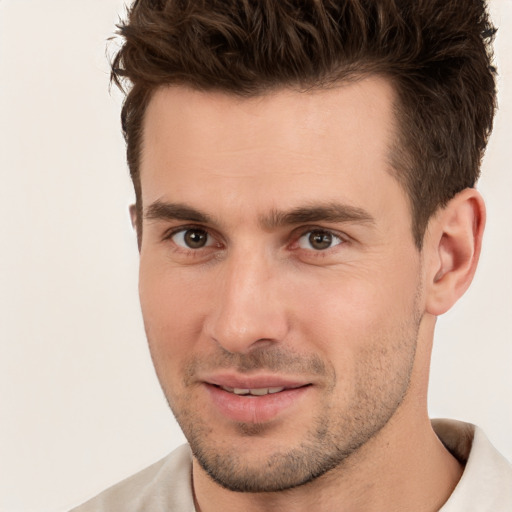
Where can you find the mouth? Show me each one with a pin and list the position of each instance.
(256, 403)
(257, 391)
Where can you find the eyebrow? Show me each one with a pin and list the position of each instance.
(330, 212)
(160, 210)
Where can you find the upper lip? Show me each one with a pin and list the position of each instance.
(253, 381)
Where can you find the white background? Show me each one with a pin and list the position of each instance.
(80, 407)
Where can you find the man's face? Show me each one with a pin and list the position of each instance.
(279, 280)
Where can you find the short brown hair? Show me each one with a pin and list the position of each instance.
(437, 53)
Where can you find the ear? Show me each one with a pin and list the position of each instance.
(133, 215)
(135, 223)
(452, 248)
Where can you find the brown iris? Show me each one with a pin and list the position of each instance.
(195, 238)
(320, 240)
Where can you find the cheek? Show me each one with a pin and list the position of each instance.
(172, 307)
(349, 311)
(367, 332)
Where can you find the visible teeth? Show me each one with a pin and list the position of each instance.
(259, 392)
(254, 392)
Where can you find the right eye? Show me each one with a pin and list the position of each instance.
(319, 240)
(192, 238)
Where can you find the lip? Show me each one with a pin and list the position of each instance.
(253, 381)
(254, 409)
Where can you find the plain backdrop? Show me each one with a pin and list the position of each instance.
(80, 407)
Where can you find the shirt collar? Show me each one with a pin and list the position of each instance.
(486, 484)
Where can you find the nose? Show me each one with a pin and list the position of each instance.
(249, 308)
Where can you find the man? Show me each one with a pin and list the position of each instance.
(305, 208)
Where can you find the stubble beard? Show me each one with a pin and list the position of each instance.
(382, 381)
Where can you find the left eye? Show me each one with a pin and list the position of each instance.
(193, 238)
(319, 240)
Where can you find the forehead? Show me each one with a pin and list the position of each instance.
(282, 147)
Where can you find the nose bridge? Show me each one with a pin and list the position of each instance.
(248, 309)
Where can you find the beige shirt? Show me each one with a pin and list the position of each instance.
(485, 486)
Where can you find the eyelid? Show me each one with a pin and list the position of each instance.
(304, 230)
(169, 233)
(180, 253)
(296, 234)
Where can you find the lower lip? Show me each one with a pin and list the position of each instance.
(254, 409)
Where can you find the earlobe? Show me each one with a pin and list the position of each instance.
(453, 242)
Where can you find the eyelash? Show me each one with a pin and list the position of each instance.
(343, 239)
(183, 229)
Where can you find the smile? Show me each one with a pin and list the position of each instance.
(256, 404)
(253, 392)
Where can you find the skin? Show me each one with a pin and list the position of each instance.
(351, 322)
